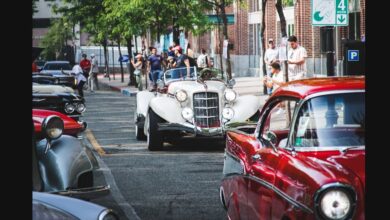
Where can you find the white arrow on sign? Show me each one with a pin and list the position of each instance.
(341, 19)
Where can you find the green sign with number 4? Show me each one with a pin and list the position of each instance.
(329, 12)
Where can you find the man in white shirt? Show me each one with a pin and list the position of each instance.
(93, 74)
(277, 77)
(78, 72)
(271, 56)
(296, 60)
(202, 60)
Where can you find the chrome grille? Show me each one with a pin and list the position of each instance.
(206, 109)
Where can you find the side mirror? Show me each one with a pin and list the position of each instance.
(272, 139)
(231, 83)
(52, 128)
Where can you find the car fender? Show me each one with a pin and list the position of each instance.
(245, 107)
(143, 99)
(167, 108)
(63, 164)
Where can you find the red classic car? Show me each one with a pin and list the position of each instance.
(71, 127)
(304, 159)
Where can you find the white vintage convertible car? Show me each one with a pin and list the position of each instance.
(190, 103)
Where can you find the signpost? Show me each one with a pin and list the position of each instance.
(329, 12)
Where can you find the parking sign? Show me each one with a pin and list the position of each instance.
(353, 55)
(329, 12)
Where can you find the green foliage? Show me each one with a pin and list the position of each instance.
(287, 3)
(55, 40)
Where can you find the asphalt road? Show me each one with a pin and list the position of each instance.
(180, 182)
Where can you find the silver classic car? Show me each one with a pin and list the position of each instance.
(191, 103)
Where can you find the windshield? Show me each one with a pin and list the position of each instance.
(57, 66)
(336, 120)
(177, 74)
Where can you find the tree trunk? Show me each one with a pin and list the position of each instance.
(120, 55)
(263, 5)
(136, 45)
(131, 69)
(105, 55)
(220, 39)
(225, 33)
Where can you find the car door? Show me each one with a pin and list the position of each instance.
(264, 163)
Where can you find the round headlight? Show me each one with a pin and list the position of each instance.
(69, 108)
(181, 95)
(228, 113)
(52, 127)
(108, 215)
(335, 204)
(80, 108)
(230, 95)
(187, 113)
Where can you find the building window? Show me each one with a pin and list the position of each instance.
(354, 26)
(41, 23)
(354, 5)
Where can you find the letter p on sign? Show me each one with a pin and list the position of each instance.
(353, 55)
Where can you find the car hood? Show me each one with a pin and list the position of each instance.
(193, 86)
(38, 115)
(51, 89)
(78, 208)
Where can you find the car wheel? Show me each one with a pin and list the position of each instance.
(139, 132)
(154, 137)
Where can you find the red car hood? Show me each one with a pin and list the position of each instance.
(71, 127)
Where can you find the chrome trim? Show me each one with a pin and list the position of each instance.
(303, 101)
(307, 149)
(336, 185)
(282, 194)
(106, 212)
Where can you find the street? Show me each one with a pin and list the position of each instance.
(180, 182)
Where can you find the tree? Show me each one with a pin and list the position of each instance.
(56, 40)
(220, 6)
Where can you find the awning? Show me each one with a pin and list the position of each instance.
(214, 19)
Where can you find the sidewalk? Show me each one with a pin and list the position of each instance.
(244, 85)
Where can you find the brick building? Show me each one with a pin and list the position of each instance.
(244, 35)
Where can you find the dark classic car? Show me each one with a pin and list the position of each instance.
(46, 206)
(67, 103)
(305, 158)
(56, 72)
(61, 164)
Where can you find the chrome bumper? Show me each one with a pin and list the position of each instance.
(85, 193)
(192, 129)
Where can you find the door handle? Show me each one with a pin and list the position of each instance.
(256, 157)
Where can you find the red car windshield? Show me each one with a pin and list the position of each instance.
(336, 120)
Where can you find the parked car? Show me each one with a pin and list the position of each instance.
(47, 206)
(61, 164)
(56, 72)
(69, 104)
(305, 158)
(199, 106)
(71, 127)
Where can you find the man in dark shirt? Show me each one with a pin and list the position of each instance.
(154, 67)
(181, 62)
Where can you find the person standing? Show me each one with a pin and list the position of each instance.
(78, 72)
(93, 74)
(138, 70)
(271, 56)
(203, 60)
(85, 65)
(180, 63)
(296, 60)
(154, 67)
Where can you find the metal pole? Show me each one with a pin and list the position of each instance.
(337, 52)
(329, 51)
